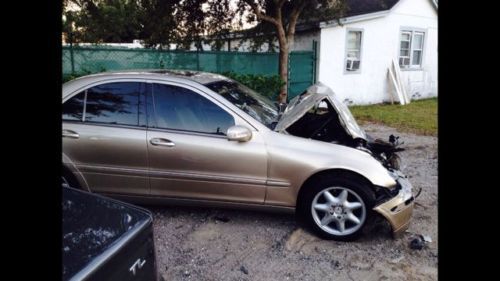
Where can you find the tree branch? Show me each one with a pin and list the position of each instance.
(293, 20)
(259, 13)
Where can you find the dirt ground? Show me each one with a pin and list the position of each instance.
(215, 244)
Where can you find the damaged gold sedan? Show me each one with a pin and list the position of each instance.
(194, 138)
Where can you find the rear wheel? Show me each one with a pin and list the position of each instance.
(336, 208)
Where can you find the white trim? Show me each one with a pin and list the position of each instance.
(354, 19)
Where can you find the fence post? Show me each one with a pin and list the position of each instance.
(288, 75)
(198, 60)
(72, 57)
(217, 61)
(314, 61)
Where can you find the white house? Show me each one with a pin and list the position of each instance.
(354, 57)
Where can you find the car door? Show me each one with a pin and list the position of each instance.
(104, 137)
(189, 154)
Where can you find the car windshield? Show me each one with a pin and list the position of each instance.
(256, 105)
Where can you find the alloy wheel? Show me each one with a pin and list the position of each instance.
(338, 210)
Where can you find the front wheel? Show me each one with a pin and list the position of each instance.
(336, 209)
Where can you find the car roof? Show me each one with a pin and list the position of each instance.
(198, 77)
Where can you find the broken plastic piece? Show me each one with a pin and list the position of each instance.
(427, 238)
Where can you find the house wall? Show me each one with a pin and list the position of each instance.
(303, 41)
(380, 44)
(420, 14)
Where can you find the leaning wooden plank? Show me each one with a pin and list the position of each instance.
(395, 68)
(391, 94)
(396, 86)
(404, 91)
(400, 81)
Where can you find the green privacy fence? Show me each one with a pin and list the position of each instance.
(78, 60)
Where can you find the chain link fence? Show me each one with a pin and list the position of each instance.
(86, 60)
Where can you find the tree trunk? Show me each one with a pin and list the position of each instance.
(285, 33)
(283, 63)
(283, 70)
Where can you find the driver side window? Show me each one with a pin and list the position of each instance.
(178, 108)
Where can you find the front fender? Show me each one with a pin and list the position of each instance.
(376, 175)
(293, 160)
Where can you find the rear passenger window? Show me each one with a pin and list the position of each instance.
(113, 103)
(73, 108)
(182, 109)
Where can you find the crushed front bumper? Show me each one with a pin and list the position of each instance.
(398, 210)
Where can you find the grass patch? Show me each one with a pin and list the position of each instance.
(419, 117)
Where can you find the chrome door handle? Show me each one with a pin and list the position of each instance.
(162, 142)
(70, 134)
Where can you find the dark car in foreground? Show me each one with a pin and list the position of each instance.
(105, 239)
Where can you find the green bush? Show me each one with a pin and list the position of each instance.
(68, 77)
(71, 76)
(82, 72)
(267, 85)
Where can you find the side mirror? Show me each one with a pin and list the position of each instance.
(239, 133)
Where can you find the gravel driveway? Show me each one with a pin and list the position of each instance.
(215, 244)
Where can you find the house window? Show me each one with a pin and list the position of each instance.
(353, 50)
(411, 49)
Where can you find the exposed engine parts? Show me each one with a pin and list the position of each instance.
(323, 123)
(385, 151)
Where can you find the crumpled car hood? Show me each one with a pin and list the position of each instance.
(314, 95)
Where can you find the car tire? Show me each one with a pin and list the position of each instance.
(336, 208)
